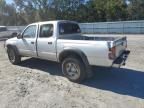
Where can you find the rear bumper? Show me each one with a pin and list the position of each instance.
(121, 60)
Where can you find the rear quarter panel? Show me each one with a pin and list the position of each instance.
(96, 51)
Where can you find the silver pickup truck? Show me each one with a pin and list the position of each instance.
(62, 41)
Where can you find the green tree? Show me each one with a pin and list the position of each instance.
(136, 10)
(23, 12)
(116, 10)
(7, 13)
(2, 11)
(109, 10)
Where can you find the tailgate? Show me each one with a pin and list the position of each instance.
(120, 45)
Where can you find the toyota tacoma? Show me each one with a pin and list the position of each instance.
(62, 41)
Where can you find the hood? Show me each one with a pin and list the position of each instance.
(12, 39)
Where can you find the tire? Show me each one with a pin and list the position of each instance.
(14, 58)
(74, 69)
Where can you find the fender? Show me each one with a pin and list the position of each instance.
(73, 51)
(14, 47)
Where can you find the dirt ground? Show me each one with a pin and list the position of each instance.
(39, 84)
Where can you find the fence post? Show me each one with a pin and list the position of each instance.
(123, 27)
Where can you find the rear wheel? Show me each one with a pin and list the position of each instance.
(74, 69)
(14, 58)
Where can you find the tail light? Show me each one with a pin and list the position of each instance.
(112, 53)
(126, 45)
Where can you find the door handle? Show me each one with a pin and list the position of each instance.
(32, 42)
(49, 42)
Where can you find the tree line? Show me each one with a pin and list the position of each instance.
(22, 12)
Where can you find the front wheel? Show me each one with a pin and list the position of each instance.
(74, 69)
(14, 58)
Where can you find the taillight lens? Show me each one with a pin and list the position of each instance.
(126, 45)
(112, 53)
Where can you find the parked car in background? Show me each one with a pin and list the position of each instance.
(62, 41)
(3, 28)
(6, 33)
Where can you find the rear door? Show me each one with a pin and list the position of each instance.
(46, 42)
(27, 45)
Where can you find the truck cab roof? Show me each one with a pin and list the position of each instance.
(55, 21)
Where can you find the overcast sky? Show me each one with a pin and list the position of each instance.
(9, 1)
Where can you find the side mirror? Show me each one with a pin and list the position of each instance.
(19, 36)
(14, 34)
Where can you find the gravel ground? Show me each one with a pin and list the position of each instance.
(39, 84)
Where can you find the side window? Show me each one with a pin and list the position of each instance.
(46, 31)
(30, 32)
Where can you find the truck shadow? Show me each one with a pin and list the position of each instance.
(50, 67)
(122, 81)
(119, 80)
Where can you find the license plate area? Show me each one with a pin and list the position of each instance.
(122, 58)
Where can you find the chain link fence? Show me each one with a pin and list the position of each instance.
(120, 27)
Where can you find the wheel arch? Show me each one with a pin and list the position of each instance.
(73, 52)
(13, 47)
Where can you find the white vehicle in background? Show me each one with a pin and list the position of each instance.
(3, 28)
(62, 41)
(5, 33)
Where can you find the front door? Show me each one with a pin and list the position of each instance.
(27, 45)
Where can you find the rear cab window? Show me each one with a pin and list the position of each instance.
(68, 28)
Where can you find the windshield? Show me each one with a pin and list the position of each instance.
(68, 28)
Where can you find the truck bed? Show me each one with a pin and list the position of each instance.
(100, 38)
(90, 38)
